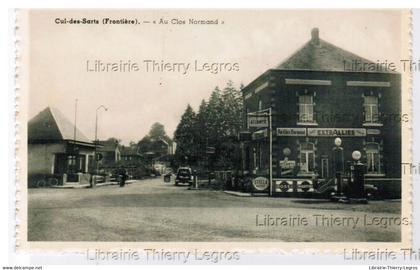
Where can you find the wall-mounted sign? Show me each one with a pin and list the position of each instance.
(284, 186)
(305, 186)
(257, 121)
(291, 131)
(210, 150)
(245, 136)
(260, 134)
(336, 132)
(287, 166)
(294, 185)
(373, 131)
(260, 183)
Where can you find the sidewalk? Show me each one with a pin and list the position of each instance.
(245, 194)
(75, 185)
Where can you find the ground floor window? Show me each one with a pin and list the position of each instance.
(373, 158)
(71, 164)
(307, 157)
(81, 163)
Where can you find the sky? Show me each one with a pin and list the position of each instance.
(256, 40)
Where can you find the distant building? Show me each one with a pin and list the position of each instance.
(109, 153)
(316, 95)
(130, 156)
(56, 153)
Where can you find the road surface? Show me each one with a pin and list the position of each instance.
(151, 210)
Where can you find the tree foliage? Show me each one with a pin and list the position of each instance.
(216, 124)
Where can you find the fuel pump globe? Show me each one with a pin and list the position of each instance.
(337, 142)
(356, 155)
(287, 151)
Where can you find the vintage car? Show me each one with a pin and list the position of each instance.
(184, 175)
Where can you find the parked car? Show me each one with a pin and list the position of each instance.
(184, 175)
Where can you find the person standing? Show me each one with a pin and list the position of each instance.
(123, 176)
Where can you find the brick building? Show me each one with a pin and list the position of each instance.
(316, 96)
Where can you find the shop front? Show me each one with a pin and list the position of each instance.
(304, 160)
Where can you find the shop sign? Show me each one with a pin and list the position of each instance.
(210, 150)
(284, 186)
(260, 183)
(305, 186)
(245, 136)
(295, 185)
(336, 132)
(373, 131)
(291, 131)
(257, 121)
(287, 166)
(260, 134)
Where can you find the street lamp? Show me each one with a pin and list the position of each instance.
(96, 135)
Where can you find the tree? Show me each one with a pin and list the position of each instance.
(232, 109)
(185, 137)
(144, 145)
(202, 130)
(113, 139)
(217, 125)
(157, 132)
(215, 117)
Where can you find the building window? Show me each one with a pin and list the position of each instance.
(81, 163)
(306, 109)
(307, 157)
(373, 158)
(371, 110)
(71, 164)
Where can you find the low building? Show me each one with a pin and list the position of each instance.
(109, 154)
(130, 156)
(316, 95)
(57, 151)
(133, 162)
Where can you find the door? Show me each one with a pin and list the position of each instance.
(60, 164)
(324, 168)
(307, 157)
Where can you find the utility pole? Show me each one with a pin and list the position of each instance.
(270, 130)
(266, 113)
(96, 135)
(74, 158)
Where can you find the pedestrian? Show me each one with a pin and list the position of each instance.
(122, 172)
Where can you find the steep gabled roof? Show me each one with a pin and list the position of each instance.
(321, 55)
(51, 125)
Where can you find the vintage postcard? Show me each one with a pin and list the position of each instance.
(189, 132)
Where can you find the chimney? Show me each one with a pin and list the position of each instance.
(315, 36)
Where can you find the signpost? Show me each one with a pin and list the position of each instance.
(263, 119)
